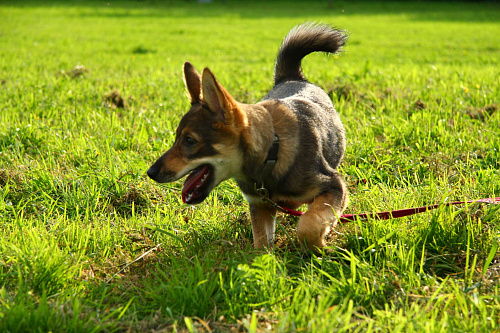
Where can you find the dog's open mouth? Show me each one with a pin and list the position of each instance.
(197, 184)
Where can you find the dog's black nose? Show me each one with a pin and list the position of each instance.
(153, 172)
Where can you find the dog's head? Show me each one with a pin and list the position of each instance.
(207, 143)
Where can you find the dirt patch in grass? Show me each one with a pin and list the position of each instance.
(77, 71)
(16, 182)
(419, 105)
(481, 113)
(133, 199)
(114, 99)
(142, 50)
(7, 176)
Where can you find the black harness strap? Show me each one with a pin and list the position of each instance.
(272, 158)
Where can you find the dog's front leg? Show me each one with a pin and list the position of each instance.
(263, 224)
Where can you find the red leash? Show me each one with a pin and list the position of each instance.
(392, 214)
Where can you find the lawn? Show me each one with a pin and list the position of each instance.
(91, 93)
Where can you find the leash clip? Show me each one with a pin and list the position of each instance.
(262, 192)
(264, 197)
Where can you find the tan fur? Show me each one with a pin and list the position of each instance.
(263, 225)
(192, 80)
(316, 222)
(189, 131)
(258, 132)
(174, 161)
(285, 124)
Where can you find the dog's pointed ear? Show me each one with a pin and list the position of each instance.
(213, 95)
(221, 102)
(192, 80)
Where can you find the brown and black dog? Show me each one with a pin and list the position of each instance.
(220, 138)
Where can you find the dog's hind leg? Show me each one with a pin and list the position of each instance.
(322, 214)
(263, 224)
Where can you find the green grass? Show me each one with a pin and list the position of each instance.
(88, 243)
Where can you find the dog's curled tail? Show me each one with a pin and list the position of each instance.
(300, 41)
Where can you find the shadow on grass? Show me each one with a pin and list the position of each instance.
(467, 11)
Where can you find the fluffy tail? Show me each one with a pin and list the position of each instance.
(300, 41)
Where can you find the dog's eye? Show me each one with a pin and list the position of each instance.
(189, 141)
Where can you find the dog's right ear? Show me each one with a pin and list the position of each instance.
(192, 80)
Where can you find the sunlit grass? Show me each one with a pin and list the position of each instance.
(90, 244)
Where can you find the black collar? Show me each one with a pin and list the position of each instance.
(272, 158)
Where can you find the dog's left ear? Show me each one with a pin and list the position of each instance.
(192, 80)
(220, 101)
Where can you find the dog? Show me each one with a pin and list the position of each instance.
(289, 145)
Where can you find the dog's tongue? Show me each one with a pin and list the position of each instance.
(194, 181)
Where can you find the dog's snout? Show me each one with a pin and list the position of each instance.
(153, 172)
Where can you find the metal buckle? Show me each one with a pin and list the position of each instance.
(262, 192)
(264, 197)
